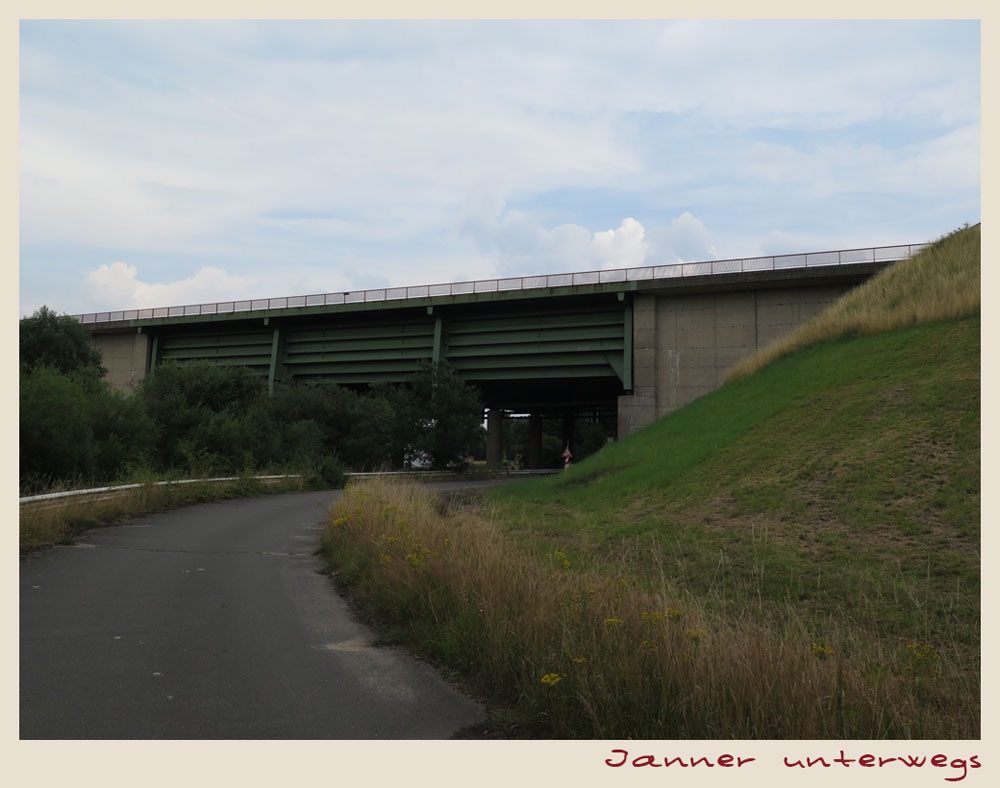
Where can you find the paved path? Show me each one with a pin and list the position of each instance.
(213, 622)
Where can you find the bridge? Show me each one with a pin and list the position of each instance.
(624, 346)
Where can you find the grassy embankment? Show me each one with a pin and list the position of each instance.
(795, 555)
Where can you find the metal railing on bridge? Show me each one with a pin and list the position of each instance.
(612, 275)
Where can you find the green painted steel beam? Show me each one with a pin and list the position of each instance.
(539, 337)
(532, 364)
(509, 342)
(529, 321)
(628, 352)
(548, 373)
(553, 349)
(153, 354)
(342, 331)
(438, 346)
(276, 370)
(214, 340)
(383, 343)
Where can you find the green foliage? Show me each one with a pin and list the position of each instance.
(353, 426)
(124, 433)
(200, 419)
(211, 419)
(76, 427)
(440, 416)
(58, 342)
(56, 432)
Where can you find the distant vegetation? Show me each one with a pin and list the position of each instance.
(198, 420)
(794, 556)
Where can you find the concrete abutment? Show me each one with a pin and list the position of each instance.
(684, 344)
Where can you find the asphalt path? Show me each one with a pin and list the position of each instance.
(214, 621)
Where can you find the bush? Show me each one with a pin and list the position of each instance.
(56, 429)
(210, 419)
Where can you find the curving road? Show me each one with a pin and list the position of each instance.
(213, 622)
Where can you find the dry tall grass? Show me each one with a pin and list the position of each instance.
(598, 652)
(941, 282)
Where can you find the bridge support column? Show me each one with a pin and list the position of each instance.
(124, 356)
(639, 409)
(494, 437)
(534, 447)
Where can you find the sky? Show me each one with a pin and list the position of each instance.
(166, 163)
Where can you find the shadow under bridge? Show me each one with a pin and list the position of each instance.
(548, 369)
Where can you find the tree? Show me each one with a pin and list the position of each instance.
(443, 413)
(58, 342)
(56, 433)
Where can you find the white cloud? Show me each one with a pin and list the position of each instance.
(625, 247)
(777, 242)
(687, 239)
(117, 286)
(519, 243)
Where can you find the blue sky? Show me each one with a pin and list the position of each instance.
(175, 162)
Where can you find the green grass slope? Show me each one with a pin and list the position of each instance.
(843, 477)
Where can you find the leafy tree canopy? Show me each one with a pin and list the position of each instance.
(445, 413)
(58, 342)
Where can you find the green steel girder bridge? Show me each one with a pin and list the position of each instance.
(578, 344)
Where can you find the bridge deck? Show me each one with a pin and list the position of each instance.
(590, 281)
(654, 336)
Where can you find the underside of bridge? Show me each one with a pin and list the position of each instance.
(568, 359)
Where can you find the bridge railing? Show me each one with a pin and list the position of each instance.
(653, 272)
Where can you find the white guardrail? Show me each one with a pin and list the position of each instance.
(104, 493)
(737, 265)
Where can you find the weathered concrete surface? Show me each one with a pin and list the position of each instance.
(686, 343)
(125, 355)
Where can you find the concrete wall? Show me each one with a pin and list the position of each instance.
(124, 356)
(685, 344)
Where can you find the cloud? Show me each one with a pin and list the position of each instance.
(519, 243)
(687, 239)
(118, 286)
(625, 247)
